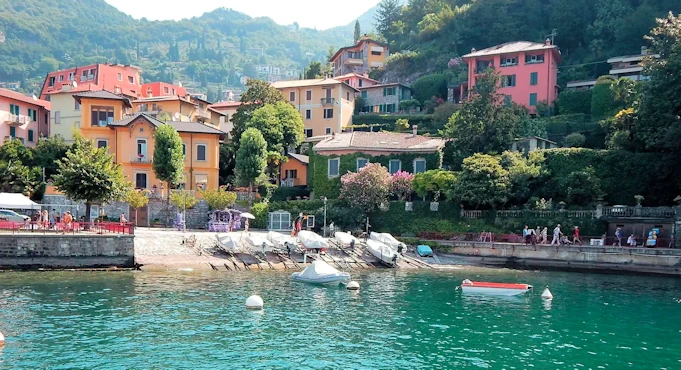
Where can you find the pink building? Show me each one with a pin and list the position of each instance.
(357, 80)
(22, 117)
(528, 70)
(110, 77)
(155, 89)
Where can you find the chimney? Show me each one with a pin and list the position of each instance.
(117, 90)
(473, 50)
(644, 50)
(414, 129)
(548, 42)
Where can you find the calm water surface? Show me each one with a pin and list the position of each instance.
(399, 320)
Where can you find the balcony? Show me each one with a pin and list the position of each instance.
(141, 159)
(16, 120)
(8, 138)
(353, 62)
(328, 101)
(289, 183)
(202, 114)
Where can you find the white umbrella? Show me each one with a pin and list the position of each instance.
(248, 215)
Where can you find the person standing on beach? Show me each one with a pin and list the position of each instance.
(556, 235)
(576, 239)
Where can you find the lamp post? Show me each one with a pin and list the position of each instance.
(324, 199)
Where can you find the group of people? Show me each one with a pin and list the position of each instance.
(298, 224)
(540, 236)
(47, 220)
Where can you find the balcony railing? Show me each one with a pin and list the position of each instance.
(141, 159)
(202, 113)
(16, 119)
(328, 101)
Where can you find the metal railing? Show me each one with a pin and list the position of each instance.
(97, 227)
(328, 101)
(142, 159)
(17, 119)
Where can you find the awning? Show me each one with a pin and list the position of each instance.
(16, 201)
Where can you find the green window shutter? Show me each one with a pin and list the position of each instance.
(30, 135)
(12, 131)
(507, 100)
(534, 77)
(364, 94)
(533, 100)
(384, 91)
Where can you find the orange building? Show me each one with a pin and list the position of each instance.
(167, 108)
(130, 138)
(294, 171)
(364, 56)
(162, 89)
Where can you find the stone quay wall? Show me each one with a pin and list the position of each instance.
(196, 217)
(20, 251)
(644, 260)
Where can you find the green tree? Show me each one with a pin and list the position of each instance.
(89, 174)
(659, 122)
(137, 199)
(582, 187)
(183, 199)
(625, 92)
(314, 70)
(14, 150)
(402, 124)
(575, 140)
(251, 159)
(603, 102)
(282, 127)
(387, 14)
(218, 199)
(428, 86)
(48, 151)
(358, 32)
(483, 124)
(434, 182)
(522, 172)
(482, 182)
(18, 178)
(168, 158)
(258, 94)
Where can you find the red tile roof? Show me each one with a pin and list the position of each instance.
(9, 94)
(225, 104)
(373, 141)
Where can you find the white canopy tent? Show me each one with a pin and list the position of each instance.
(17, 201)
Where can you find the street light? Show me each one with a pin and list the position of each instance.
(324, 199)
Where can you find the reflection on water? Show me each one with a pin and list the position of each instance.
(398, 319)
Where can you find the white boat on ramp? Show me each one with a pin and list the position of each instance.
(229, 242)
(312, 240)
(280, 240)
(499, 289)
(320, 272)
(259, 243)
(384, 253)
(346, 239)
(386, 239)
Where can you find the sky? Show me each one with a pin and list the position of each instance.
(308, 13)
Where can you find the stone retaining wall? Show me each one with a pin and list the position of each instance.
(66, 251)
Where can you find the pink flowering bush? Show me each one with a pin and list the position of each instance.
(401, 186)
(368, 188)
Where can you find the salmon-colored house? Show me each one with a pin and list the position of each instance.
(528, 70)
(130, 138)
(23, 118)
(357, 80)
(294, 171)
(162, 89)
(112, 77)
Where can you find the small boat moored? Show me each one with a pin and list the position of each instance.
(383, 252)
(320, 272)
(501, 289)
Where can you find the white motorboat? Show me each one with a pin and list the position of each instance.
(346, 239)
(386, 239)
(259, 243)
(383, 252)
(229, 242)
(279, 240)
(320, 272)
(488, 288)
(312, 240)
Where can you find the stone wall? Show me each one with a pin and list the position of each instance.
(66, 251)
(196, 217)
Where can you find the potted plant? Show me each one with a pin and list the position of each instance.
(639, 199)
(435, 205)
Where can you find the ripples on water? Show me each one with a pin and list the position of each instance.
(398, 320)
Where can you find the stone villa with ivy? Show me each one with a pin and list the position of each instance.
(338, 154)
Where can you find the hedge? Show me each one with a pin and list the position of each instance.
(622, 174)
(574, 101)
(425, 87)
(559, 127)
(603, 103)
(323, 186)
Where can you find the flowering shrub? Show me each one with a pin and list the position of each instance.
(368, 188)
(401, 185)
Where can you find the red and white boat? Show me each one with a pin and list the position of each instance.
(502, 289)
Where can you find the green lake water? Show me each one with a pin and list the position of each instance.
(398, 320)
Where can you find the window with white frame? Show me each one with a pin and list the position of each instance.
(308, 114)
(310, 222)
(328, 113)
(120, 77)
(184, 150)
(102, 143)
(394, 165)
(308, 132)
(361, 162)
(308, 95)
(292, 96)
(334, 167)
(328, 131)
(280, 220)
(141, 180)
(141, 148)
(419, 165)
(201, 152)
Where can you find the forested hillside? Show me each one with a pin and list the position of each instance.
(429, 33)
(42, 35)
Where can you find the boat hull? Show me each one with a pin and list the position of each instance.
(493, 291)
(334, 279)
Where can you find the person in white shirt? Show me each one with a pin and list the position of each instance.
(556, 235)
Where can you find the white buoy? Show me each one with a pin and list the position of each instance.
(353, 285)
(546, 294)
(2, 339)
(254, 302)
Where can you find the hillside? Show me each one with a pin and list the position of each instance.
(432, 32)
(42, 35)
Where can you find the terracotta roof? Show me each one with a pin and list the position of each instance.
(217, 111)
(9, 94)
(88, 86)
(510, 47)
(101, 94)
(360, 42)
(194, 127)
(309, 83)
(384, 85)
(163, 98)
(350, 75)
(376, 141)
(302, 158)
(225, 104)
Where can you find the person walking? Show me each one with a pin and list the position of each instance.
(45, 219)
(556, 235)
(533, 237)
(575, 238)
(544, 235)
(526, 235)
(68, 219)
(618, 235)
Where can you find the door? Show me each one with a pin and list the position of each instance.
(142, 214)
